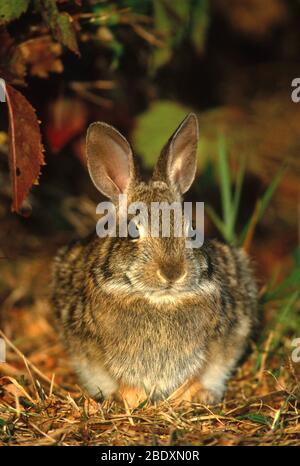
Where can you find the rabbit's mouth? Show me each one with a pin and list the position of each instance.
(166, 296)
(170, 290)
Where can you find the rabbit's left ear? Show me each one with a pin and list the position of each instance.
(178, 160)
(109, 159)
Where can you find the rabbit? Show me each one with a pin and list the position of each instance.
(148, 317)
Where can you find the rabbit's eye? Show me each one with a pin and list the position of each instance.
(133, 231)
(133, 238)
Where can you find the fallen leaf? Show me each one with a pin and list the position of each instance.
(25, 147)
(16, 389)
(91, 407)
(40, 54)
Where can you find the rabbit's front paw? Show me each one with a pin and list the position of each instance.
(207, 397)
(193, 391)
(186, 392)
(132, 397)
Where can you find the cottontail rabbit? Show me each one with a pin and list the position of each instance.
(148, 316)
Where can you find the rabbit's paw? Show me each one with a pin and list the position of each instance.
(186, 393)
(193, 391)
(132, 397)
(207, 397)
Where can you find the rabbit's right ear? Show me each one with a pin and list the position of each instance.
(177, 162)
(109, 159)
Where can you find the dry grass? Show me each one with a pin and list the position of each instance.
(40, 403)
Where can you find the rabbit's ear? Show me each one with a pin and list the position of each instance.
(178, 160)
(109, 159)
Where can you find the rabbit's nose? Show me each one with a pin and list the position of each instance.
(171, 273)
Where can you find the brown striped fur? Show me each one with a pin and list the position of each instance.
(123, 327)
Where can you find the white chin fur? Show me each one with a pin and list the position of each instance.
(159, 296)
(162, 298)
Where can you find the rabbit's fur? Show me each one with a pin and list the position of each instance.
(148, 316)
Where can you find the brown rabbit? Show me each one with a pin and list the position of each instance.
(149, 316)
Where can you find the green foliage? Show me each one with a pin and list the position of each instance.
(59, 23)
(138, 6)
(64, 33)
(287, 286)
(199, 23)
(10, 10)
(256, 418)
(264, 201)
(287, 308)
(227, 202)
(105, 14)
(162, 23)
(154, 127)
(231, 202)
(176, 21)
(285, 322)
(165, 24)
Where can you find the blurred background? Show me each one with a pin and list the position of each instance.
(141, 65)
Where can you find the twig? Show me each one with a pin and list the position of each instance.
(30, 364)
(265, 356)
(147, 35)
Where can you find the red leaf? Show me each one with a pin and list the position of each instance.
(67, 119)
(25, 147)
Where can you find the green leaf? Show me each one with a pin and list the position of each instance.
(285, 319)
(238, 191)
(176, 20)
(171, 19)
(154, 127)
(296, 256)
(138, 6)
(257, 418)
(225, 184)
(265, 200)
(292, 280)
(64, 32)
(271, 190)
(118, 49)
(162, 23)
(199, 23)
(10, 10)
(59, 23)
(288, 307)
(230, 204)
